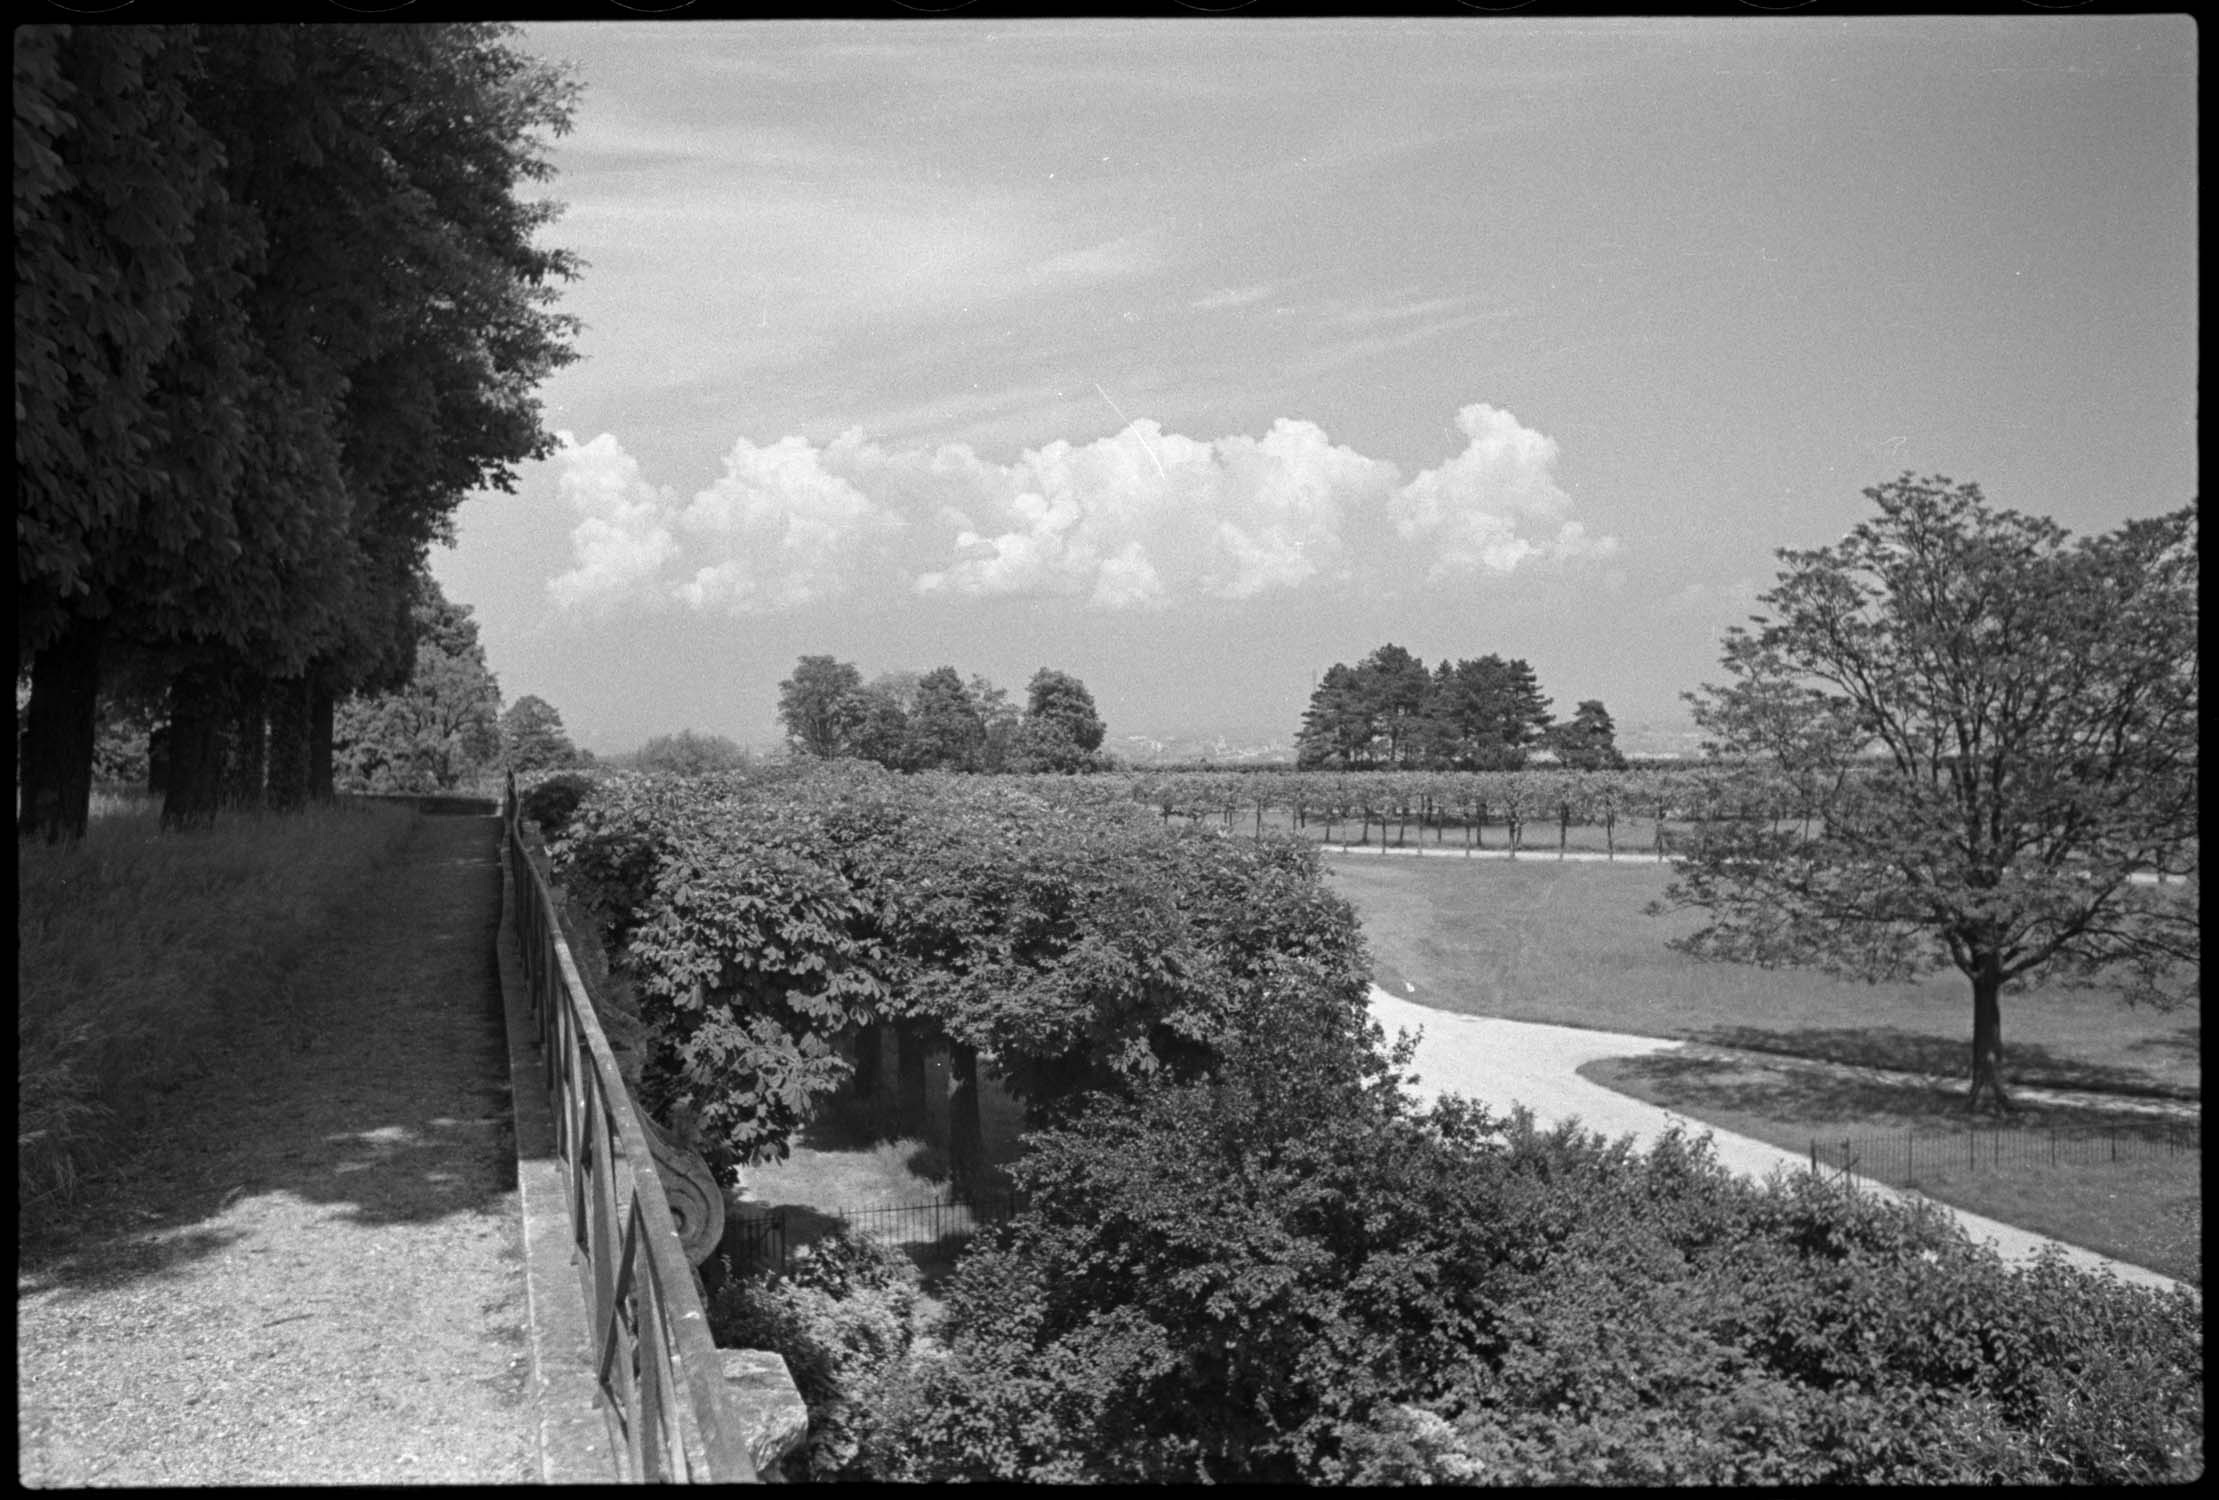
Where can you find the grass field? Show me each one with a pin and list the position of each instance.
(1568, 944)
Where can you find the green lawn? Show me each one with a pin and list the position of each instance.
(1569, 944)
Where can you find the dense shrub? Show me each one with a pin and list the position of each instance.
(843, 1316)
(551, 803)
(1207, 1287)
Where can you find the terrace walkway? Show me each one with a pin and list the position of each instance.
(312, 1275)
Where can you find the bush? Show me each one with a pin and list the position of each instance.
(843, 1316)
(551, 803)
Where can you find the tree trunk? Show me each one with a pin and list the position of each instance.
(54, 761)
(1987, 1038)
(909, 1079)
(288, 777)
(966, 1136)
(158, 759)
(320, 707)
(246, 743)
(199, 708)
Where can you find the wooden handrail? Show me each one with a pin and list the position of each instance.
(656, 1363)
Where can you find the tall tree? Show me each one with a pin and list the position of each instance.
(2001, 724)
(532, 737)
(1395, 686)
(355, 320)
(439, 729)
(946, 731)
(1337, 727)
(822, 706)
(1589, 740)
(1061, 729)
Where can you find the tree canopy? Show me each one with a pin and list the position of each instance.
(438, 729)
(938, 721)
(1998, 722)
(281, 306)
(532, 737)
(1387, 712)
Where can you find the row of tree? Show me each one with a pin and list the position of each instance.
(279, 308)
(909, 721)
(1389, 712)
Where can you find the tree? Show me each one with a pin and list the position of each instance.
(1337, 728)
(441, 727)
(688, 754)
(1488, 713)
(1059, 699)
(1589, 742)
(822, 706)
(1999, 724)
(1394, 687)
(279, 310)
(945, 729)
(1002, 720)
(532, 737)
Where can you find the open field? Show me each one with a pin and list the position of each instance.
(1568, 943)
(1779, 1054)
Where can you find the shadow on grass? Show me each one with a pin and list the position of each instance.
(1939, 1058)
(1709, 1086)
(375, 1091)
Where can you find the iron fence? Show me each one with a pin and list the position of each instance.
(1898, 1157)
(767, 1240)
(655, 1361)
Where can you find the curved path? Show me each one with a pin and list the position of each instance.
(1503, 1062)
(312, 1276)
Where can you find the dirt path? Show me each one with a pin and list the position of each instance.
(311, 1276)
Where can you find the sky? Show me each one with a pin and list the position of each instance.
(1192, 356)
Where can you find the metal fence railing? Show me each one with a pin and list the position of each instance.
(1898, 1157)
(654, 1358)
(767, 1240)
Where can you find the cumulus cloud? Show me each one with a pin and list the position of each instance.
(1480, 509)
(621, 541)
(784, 530)
(1142, 518)
(1145, 516)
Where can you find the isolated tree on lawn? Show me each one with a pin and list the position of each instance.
(532, 737)
(2000, 722)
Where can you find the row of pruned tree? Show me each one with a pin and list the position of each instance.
(279, 308)
(935, 721)
(1388, 712)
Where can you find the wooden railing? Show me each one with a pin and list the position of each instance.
(658, 1368)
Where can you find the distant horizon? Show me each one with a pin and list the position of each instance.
(1192, 356)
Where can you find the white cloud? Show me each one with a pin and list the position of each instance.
(622, 542)
(1477, 510)
(782, 529)
(1142, 518)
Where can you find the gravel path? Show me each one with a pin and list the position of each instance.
(312, 1275)
(1502, 1062)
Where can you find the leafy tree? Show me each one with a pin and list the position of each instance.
(1589, 742)
(1999, 723)
(1488, 713)
(1002, 720)
(822, 706)
(1337, 728)
(946, 731)
(439, 729)
(532, 737)
(1394, 686)
(688, 754)
(346, 321)
(1061, 729)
